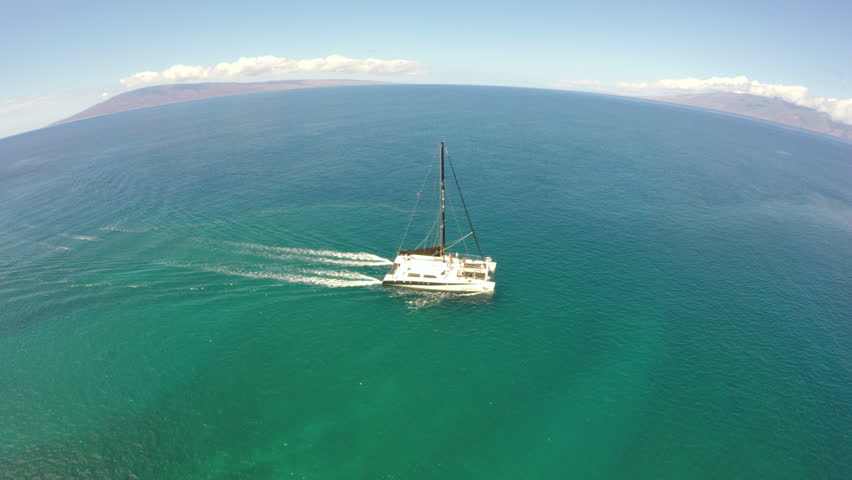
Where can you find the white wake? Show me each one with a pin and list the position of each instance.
(325, 260)
(291, 266)
(321, 256)
(335, 279)
(81, 237)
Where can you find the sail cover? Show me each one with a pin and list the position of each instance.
(436, 251)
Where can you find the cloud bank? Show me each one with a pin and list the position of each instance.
(839, 109)
(270, 65)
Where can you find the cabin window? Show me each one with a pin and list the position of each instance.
(429, 276)
(416, 275)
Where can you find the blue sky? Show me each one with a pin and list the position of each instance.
(60, 57)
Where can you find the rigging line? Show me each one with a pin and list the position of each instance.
(454, 213)
(467, 214)
(427, 239)
(416, 204)
(455, 217)
(431, 233)
(460, 240)
(437, 226)
(433, 236)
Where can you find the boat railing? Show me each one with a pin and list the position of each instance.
(476, 258)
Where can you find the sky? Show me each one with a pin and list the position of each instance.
(60, 57)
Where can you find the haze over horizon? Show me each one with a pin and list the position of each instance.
(67, 58)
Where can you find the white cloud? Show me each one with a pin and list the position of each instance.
(270, 65)
(839, 109)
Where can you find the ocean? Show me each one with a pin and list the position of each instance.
(193, 291)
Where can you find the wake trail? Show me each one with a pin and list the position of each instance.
(84, 238)
(325, 261)
(115, 228)
(324, 278)
(294, 266)
(326, 254)
(340, 274)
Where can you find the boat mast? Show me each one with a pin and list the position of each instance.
(443, 208)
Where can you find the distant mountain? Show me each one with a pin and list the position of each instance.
(772, 109)
(163, 94)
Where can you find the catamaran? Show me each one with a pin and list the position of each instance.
(435, 267)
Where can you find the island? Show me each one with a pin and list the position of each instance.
(175, 93)
(764, 108)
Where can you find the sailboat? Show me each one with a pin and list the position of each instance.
(435, 267)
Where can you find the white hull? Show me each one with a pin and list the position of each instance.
(478, 287)
(441, 274)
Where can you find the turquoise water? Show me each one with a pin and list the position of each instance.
(189, 291)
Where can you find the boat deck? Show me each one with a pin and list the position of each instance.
(441, 273)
